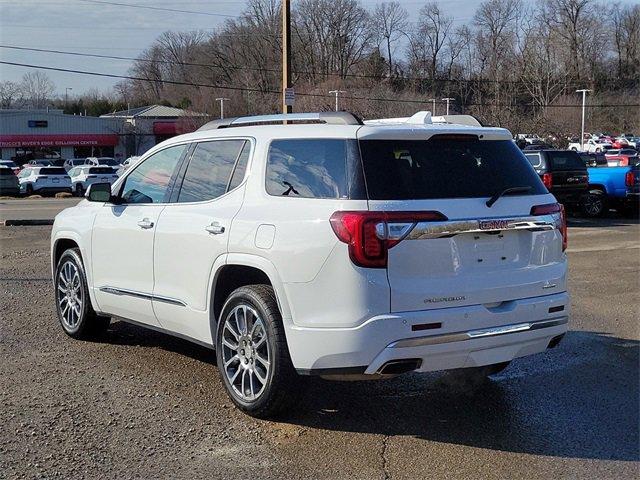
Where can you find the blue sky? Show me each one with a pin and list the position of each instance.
(93, 27)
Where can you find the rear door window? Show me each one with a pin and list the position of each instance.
(209, 170)
(534, 159)
(568, 160)
(307, 168)
(445, 168)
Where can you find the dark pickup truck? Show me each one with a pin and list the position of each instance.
(564, 174)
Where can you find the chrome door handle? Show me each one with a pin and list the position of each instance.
(215, 228)
(145, 223)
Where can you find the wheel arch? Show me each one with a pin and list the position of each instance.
(240, 270)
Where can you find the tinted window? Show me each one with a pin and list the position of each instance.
(149, 182)
(107, 161)
(102, 170)
(53, 171)
(307, 168)
(209, 170)
(567, 160)
(241, 167)
(444, 168)
(8, 163)
(534, 159)
(4, 171)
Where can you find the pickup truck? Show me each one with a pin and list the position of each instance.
(617, 187)
(591, 146)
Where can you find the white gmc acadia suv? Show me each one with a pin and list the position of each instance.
(322, 245)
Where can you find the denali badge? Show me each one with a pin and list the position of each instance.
(445, 299)
(493, 224)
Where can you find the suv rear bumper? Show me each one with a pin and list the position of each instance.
(438, 339)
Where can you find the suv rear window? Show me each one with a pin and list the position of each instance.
(52, 171)
(444, 168)
(98, 170)
(567, 160)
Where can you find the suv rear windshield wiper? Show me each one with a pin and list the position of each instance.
(506, 191)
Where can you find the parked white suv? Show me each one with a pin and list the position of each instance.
(44, 180)
(334, 248)
(82, 177)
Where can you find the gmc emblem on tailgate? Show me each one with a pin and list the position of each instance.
(493, 224)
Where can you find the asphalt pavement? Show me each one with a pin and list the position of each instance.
(139, 404)
(45, 208)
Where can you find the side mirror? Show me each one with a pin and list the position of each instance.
(99, 192)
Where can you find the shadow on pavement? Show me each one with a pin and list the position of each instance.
(579, 400)
(611, 221)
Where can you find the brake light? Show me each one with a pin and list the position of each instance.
(547, 179)
(370, 235)
(629, 179)
(561, 224)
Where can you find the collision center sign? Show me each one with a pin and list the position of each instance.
(79, 140)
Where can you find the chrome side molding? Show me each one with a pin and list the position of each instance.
(480, 333)
(427, 230)
(146, 296)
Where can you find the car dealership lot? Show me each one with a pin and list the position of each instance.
(141, 404)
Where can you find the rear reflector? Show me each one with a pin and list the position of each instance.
(561, 225)
(371, 234)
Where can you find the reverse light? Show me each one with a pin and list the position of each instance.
(370, 235)
(561, 225)
(547, 179)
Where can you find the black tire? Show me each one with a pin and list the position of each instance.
(594, 204)
(29, 190)
(280, 388)
(84, 323)
(79, 190)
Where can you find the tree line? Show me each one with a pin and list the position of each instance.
(514, 63)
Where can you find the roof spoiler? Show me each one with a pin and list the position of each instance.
(328, 118)
(425, 118)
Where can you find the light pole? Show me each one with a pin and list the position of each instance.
(584, 99)
(221, 100)
(433, 110)
(448, 99)
(66, 96)
(337, 94)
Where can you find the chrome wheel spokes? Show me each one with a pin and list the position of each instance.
(69, 295)
(245, 352)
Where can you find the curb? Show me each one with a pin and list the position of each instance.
(24, 223)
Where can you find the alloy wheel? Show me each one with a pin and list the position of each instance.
(70, 295)
(593, 205)
(246, 353)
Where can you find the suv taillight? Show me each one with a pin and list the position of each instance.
(629, 179)
(371, 234)
(547, 179)
(551, 208)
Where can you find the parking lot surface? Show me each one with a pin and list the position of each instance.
(139, 404)
(34, 208)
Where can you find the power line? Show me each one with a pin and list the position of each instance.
(276, 92)
(274, 70)
(163, 9)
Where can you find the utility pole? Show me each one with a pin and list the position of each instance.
(448, 99)
(337, 94)
(433, 110)
(286, 53)
(66, 96)
(584, 99)
(222, 100)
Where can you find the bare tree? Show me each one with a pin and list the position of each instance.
(37, 88)
(626, 30)
(429, 38)
(390, 25)
(10, 94)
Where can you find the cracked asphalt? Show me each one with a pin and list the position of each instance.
(139, 404)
